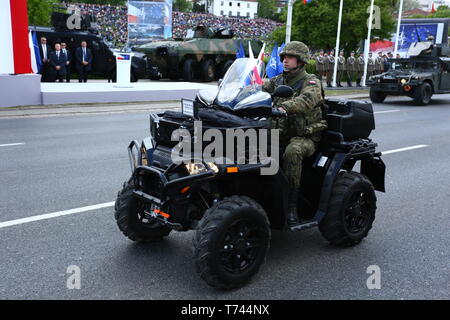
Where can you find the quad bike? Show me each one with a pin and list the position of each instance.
(233, 207)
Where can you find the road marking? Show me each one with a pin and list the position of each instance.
(55, 214)
(12, 144)
(405, 149)
(110, 204)
(387, 111)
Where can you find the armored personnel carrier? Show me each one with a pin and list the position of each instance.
(424, 73)
(205, 54)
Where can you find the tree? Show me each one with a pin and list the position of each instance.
(267, 9)
(316, 23)
(441, 12)
(182, 5)
(40, 12)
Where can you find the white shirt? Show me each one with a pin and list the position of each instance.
(44, 50)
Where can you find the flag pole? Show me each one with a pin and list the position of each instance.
(398, 27)
(336, 51)
(289, 21)
(367, 44)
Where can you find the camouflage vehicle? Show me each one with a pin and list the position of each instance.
(424, 73)
(205, 54)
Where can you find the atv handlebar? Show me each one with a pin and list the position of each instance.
(278, 113)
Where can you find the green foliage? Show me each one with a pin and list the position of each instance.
(182, 5)
(40, 12)
(441, 12)
(316, 23)
(267, 9)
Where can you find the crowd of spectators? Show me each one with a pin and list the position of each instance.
(112, 23)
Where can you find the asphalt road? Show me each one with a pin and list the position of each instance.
(70, 162)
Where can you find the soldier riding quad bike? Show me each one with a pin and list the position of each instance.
(231, 206)
(424, 73)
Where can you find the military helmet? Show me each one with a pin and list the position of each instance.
(297, 49)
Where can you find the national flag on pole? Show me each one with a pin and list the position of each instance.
(240, 52)
(133, 14)
(274, 65)
(306, 1)
(35, 58)
(14, 38)
(433, 9)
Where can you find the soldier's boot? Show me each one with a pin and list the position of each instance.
(349, 83)
(292, 216)
(358, 82)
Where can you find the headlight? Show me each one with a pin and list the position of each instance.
(403, 81)
(197, 168)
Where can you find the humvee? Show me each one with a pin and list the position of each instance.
(205, 54)
(424, 73)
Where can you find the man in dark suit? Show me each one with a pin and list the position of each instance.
(44, 50)
(58, 61)
(83, 56)
(68, 55)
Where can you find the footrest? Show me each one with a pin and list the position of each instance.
(303, 225)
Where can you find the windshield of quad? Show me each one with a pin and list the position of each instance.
(243, 79)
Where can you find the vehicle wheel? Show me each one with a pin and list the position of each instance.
(422, 94)
(377, 96)
(188, 70)
(231, 242)
(129, 214)
(227, 64)
(208, 70)
(351, 210)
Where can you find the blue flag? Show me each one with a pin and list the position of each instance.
(274, 66)
(36, 51)
(240, 53)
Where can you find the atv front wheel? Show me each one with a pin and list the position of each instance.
(131, 219)
(351, 210)
(231, 242)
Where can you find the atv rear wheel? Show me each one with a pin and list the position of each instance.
(351, 210)
(422, 94)
(231, 242)
(377, 96)
(131, 219)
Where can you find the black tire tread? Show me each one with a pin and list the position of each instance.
(212, 219)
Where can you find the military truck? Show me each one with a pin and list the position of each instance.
(205, 54)
(424, 73)
(104, 61)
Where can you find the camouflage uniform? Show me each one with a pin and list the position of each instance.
(301, 130)
(320, 65)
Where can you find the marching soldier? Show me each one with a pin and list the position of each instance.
(351, 68)
(320, 65)
(331, 62)
(342, 67)
(360, 63)
(379, 63)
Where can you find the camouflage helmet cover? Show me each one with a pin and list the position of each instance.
(297, 49)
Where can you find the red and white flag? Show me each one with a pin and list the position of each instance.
(14, 40)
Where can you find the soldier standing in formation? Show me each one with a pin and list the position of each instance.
(330, 68)
(370, 66)
(360, 63)
(342, 67)
(379, 63)
(351, 68)
(320, 65)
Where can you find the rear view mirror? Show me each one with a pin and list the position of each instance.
(283, 92)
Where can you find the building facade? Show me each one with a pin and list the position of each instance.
(234, 8)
